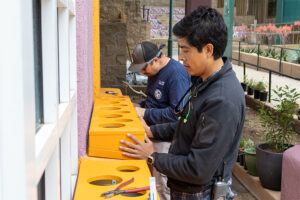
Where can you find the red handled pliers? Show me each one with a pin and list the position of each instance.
(117, 191)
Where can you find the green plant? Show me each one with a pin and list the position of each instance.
(278, 122)
(245, 79)
(251, 83)
(249, 146)
(294, 55)
(242, 144)
(261, 86)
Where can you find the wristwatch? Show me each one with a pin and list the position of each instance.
(150, 160)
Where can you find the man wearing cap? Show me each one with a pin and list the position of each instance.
(167, 82)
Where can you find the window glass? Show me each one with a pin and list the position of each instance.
(41, 188)
(272, 8)
(38, 62)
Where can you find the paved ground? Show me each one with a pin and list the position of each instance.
(242, 192)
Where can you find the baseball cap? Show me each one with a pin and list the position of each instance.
(143, 54)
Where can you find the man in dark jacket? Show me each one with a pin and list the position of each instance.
(206, 138)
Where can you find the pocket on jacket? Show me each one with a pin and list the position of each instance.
(206, 129)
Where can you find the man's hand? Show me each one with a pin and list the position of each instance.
(140, 150)
(146, 127)
(136, 105)
(140, 111)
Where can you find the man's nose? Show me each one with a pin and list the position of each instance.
(181, 57)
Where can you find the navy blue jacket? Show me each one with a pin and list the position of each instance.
(164, 90)
(209, 137)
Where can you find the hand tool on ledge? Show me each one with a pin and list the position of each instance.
(117, 191)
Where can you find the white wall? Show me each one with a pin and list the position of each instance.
(25, 154)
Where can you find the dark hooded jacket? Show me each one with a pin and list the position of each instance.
(206, 140)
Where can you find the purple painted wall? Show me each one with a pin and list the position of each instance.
(290, 183)
(84, 37)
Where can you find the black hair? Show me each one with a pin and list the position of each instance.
(203, 26)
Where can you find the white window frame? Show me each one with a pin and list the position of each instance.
(24, 154)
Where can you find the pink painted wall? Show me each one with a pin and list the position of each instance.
(84, 37)
(290, 177)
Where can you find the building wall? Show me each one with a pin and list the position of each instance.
(163, 3)
(138, 29)
(84, 28)
(113, 54)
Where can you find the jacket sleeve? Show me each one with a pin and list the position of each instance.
(163, 132)
(176, 90)
(215, 130)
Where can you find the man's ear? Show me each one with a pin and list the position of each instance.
(156, 59)
(209, 49)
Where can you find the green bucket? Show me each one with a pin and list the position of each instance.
(250, 159)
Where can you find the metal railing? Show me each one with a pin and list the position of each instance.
(270, 74)
(259, 51)
(148, 11)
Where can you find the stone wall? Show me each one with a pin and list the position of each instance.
(113, 53)
(138, 29)
(110, 10)
(120, 20)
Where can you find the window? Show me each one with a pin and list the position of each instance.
(38, 63)
(271, 8)
(41, 188)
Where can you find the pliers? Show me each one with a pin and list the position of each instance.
(117, 191)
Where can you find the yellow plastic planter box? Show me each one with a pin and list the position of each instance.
(105, 136)
(96, 176)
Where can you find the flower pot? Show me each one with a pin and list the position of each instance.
(244, 86)
(242, 159)
(268, 165)
(250, 91)
(256, 94)
(250, 159)
(263, 96)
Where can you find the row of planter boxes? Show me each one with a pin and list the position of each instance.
(261, 95)
(288, 68)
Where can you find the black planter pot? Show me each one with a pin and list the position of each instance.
(263, 96)
(244, 86)
(241, 159)
(269, 166)
(250, 91)
(256, 94)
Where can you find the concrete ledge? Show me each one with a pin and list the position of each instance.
(252, 183)
(255, 104)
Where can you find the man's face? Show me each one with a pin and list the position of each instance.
(151, 69)
(194, 62)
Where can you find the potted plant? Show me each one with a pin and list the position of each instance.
(241, 155)
(258, 87)
(263, 92)
(244, 83)
(279, 136)
(251, 85)
(250, 157)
